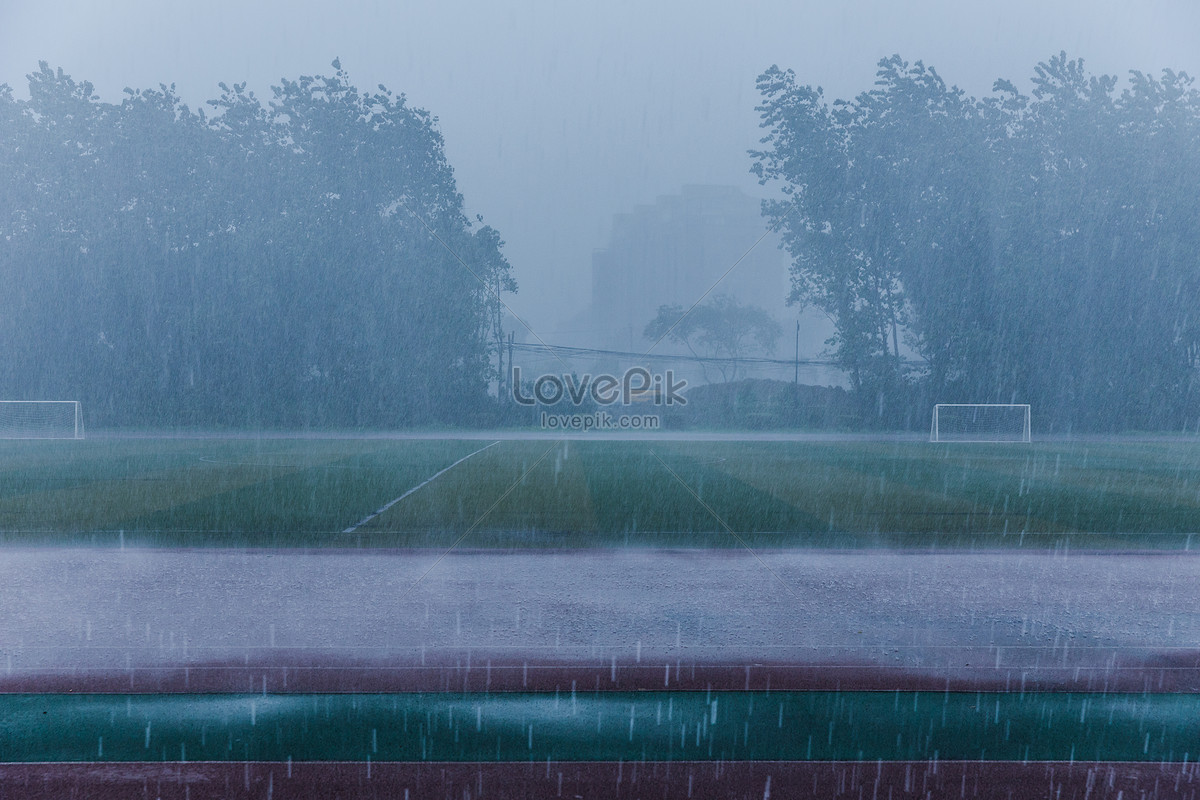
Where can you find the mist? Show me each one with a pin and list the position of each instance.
(557, 117)
(683, 399)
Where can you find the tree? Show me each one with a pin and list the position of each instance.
(721, 332)
(1022, 249)
(302, 263)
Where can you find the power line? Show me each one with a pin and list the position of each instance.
(551, 350)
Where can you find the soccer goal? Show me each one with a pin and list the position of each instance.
(41, 419)
(980, 422)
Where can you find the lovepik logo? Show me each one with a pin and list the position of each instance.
(636, 385)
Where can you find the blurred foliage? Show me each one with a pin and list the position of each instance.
(1033, 249)
(301, 263)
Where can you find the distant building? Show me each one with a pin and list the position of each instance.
(675, 251)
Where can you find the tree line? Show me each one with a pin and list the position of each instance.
(305, 262)
(1040, 248)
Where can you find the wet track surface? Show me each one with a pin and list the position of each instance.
(85, 619)
(1022, 674)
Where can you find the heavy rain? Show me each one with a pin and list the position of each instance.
(600, 400)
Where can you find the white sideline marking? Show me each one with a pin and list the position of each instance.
(429, 480)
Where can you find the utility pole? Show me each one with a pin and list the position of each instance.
(500, 367)
(796, 377)
(510, 358)
(498, 322)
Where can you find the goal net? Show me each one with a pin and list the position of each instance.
(980, 422)
(41, 419)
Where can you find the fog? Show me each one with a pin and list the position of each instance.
(558, 116)
(720, 396)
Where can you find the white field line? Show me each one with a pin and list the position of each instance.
(426, 482)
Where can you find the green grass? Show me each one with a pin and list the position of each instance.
(792, 726)
(305, 492)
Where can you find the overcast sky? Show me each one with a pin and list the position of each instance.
(557, 115)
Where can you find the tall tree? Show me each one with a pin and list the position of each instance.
(305, 262)
(1026, 248)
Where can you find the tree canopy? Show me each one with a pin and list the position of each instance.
(303, 262)
(1016, 248)
(722, 330)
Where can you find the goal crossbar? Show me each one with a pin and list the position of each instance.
(41, 419)
(980, 422)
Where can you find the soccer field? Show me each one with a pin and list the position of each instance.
(406, 493)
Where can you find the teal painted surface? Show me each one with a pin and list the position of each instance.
(607, 726)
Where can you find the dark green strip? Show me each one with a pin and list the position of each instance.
(296, 493)
(606, 726)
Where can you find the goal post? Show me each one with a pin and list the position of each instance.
(980, 422)
(41, 419)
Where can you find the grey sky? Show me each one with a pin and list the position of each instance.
(557, 114)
